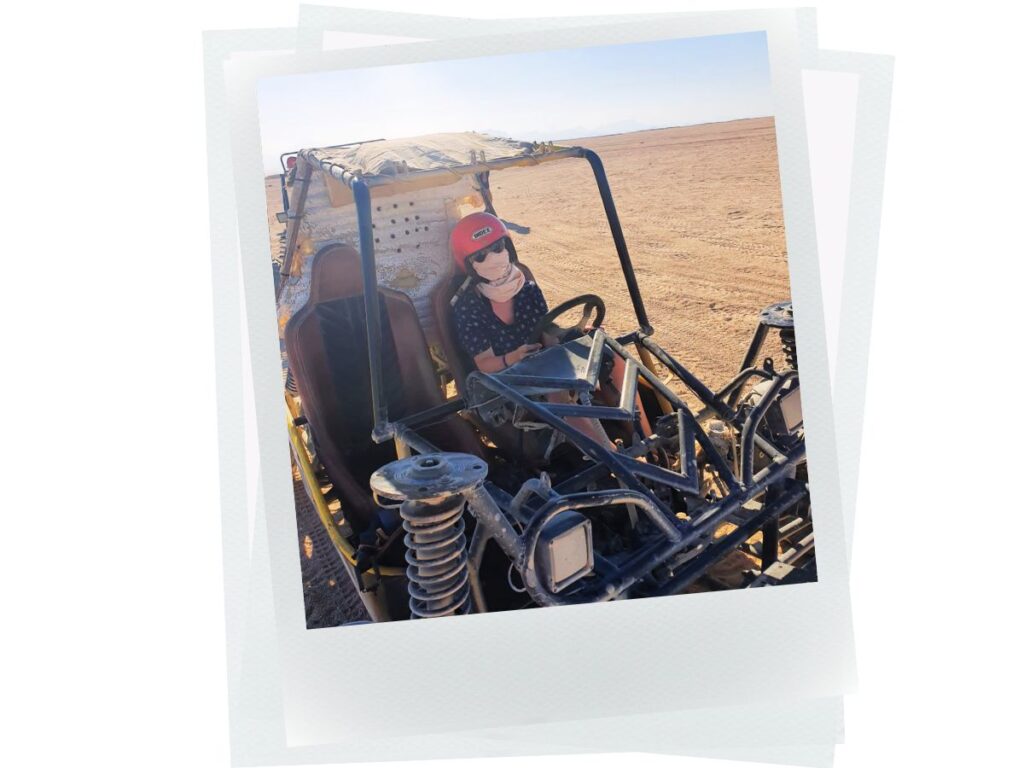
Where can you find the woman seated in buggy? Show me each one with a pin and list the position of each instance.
(496, 316)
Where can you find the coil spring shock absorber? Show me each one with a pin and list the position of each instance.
(432, 488)
(788, 338)
(779, 316)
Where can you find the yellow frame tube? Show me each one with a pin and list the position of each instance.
(312, 486)
(648, 360)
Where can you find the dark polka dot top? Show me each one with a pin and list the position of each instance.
(479, 329)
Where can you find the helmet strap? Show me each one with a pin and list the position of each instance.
(468, 283)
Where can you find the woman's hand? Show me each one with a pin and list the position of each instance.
(518, 354)
(488, 362)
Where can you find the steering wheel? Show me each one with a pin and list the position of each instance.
(589, 301)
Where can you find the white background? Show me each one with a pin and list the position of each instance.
(111, 559)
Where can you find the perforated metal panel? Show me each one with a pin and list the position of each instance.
(410, 239)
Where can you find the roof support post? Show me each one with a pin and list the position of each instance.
(620, 240)
(382, 430)
(304, 174)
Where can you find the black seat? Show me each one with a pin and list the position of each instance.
(327, 352)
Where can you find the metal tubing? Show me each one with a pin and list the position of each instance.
(600, 498)
(688, 483)
(738, 382)
(591, 411)
(695, 568)
(799, 551)
(304, 174)
(346, 176)
(755, 346)
(721, 465)
(432, 415)
(753, 421)
(312, 486)
(401, 448)
(488, 514)
(770, 532)
(692, 382)
(381, 429)
(724, 470)
(284, 193)
(648, 361)
(620, 241)
(772, 474)
(584, 442)
(767, 447)
(769, 542)
(504, 501)
(709, 520)
(795, 456)
(582, 478)
(495, 523)
(596, 355)
(598, 471)
(414, 440)
(475, 554)
(648, 375)
(685, 428)
(627, 398)
(546, 383)
(537, 486)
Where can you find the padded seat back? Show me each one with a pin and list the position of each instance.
(327, 353)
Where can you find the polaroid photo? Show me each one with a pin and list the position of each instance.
(584, 372)
(481, 191)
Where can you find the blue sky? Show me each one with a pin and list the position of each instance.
(568, 93)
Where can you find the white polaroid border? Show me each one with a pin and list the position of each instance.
(230, 331)
(874, 96)
(222, 383)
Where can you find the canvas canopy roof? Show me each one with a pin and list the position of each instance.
(389, 160)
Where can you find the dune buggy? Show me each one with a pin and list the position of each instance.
(488, 498)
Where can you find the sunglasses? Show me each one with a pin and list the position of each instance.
(496, 247)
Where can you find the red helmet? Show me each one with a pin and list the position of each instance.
(474, 233)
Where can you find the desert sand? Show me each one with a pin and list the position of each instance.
(701, 211)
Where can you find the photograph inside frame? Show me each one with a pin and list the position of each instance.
(535, 329)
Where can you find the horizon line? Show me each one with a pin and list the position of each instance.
(586, 136)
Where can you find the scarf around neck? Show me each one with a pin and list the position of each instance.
(503, 278)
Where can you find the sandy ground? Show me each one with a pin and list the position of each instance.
(701, 211)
